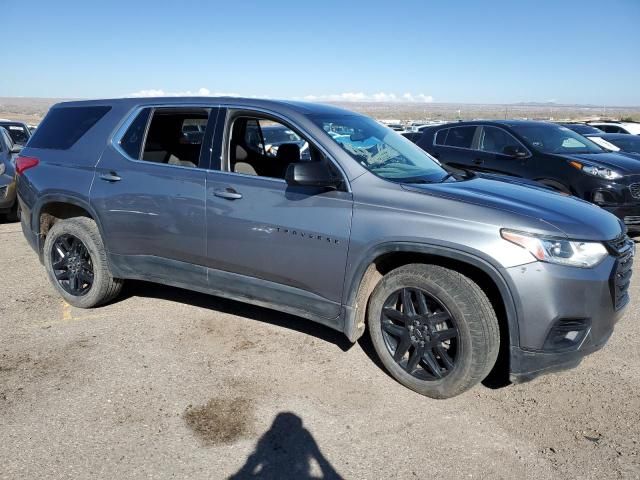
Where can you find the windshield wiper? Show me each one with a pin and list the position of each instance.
(468, 174)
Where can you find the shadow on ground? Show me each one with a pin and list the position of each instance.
(286, 451)
(152, 290)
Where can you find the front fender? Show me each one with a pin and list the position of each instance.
(486, 265)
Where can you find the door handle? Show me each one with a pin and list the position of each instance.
(478, 161)
(110, 177)
(228, 193)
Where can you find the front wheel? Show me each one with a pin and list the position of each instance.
(76, 263)
(434, 329)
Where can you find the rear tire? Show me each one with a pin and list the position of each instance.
(444, 321)
(76, 263)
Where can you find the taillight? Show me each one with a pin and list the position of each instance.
(25, 163)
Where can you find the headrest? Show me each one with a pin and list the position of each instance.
(241, 154)
(288, 152)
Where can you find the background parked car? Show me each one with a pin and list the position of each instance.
(594, 134)
(8, 152)
(19, 132)
(548, 153)
(623, 142)
(611, 126)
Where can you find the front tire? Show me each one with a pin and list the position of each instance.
(76, 263)
(434, 329)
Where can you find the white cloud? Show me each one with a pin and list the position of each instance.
(334, 97)
(375, 97)
(201, 92)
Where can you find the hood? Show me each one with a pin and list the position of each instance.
(625, 164)
(575, 218)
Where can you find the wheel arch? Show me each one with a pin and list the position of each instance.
(51, 208)
(386, 257)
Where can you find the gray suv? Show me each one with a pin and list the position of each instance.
(455, 276)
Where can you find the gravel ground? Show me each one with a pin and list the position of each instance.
(165, 383)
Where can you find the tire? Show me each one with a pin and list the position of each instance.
(452, 305)
(103, 286)
(14, 214)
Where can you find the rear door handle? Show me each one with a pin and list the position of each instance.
(110, 177)
(228, 193)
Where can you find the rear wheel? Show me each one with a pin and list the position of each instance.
(76, 262)
(434, 329)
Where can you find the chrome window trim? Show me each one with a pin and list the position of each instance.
(124, 125)
(130, 118)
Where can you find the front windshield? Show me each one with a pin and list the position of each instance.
(555, 139)
(380, 150)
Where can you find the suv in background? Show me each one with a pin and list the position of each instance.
(8, 152)
(611, 126)
(18, 131)
(550, 154)
(454, 275)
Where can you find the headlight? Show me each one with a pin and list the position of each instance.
(602, 172)
(554, 250)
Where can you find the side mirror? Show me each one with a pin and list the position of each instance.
(514, 151)
(16, 148)
(310, 174)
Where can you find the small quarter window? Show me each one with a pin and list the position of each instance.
(441, 136)
(132, 140)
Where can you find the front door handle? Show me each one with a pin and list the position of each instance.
(110, 177)
(228, 193)
(478, 161)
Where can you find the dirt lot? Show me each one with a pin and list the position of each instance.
(166, 383)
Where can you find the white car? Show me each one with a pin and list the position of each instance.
(617, 127)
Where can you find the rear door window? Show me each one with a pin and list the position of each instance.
(174, 136)
(64, 126)
(461, 137)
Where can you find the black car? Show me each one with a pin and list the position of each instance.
(629, 144)
(545, 152)
(18, 131)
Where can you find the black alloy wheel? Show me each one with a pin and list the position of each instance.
(420, 333)
(72, 265)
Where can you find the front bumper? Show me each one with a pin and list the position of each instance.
(553, 296)
(7, 193)
(628, 213)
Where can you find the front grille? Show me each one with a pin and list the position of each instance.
(632, 220)
(635, 190)
(623, 249)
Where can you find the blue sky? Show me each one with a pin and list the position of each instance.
(480, 51)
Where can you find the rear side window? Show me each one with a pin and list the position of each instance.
(64, 126)
(461, 137)
(167, 135)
